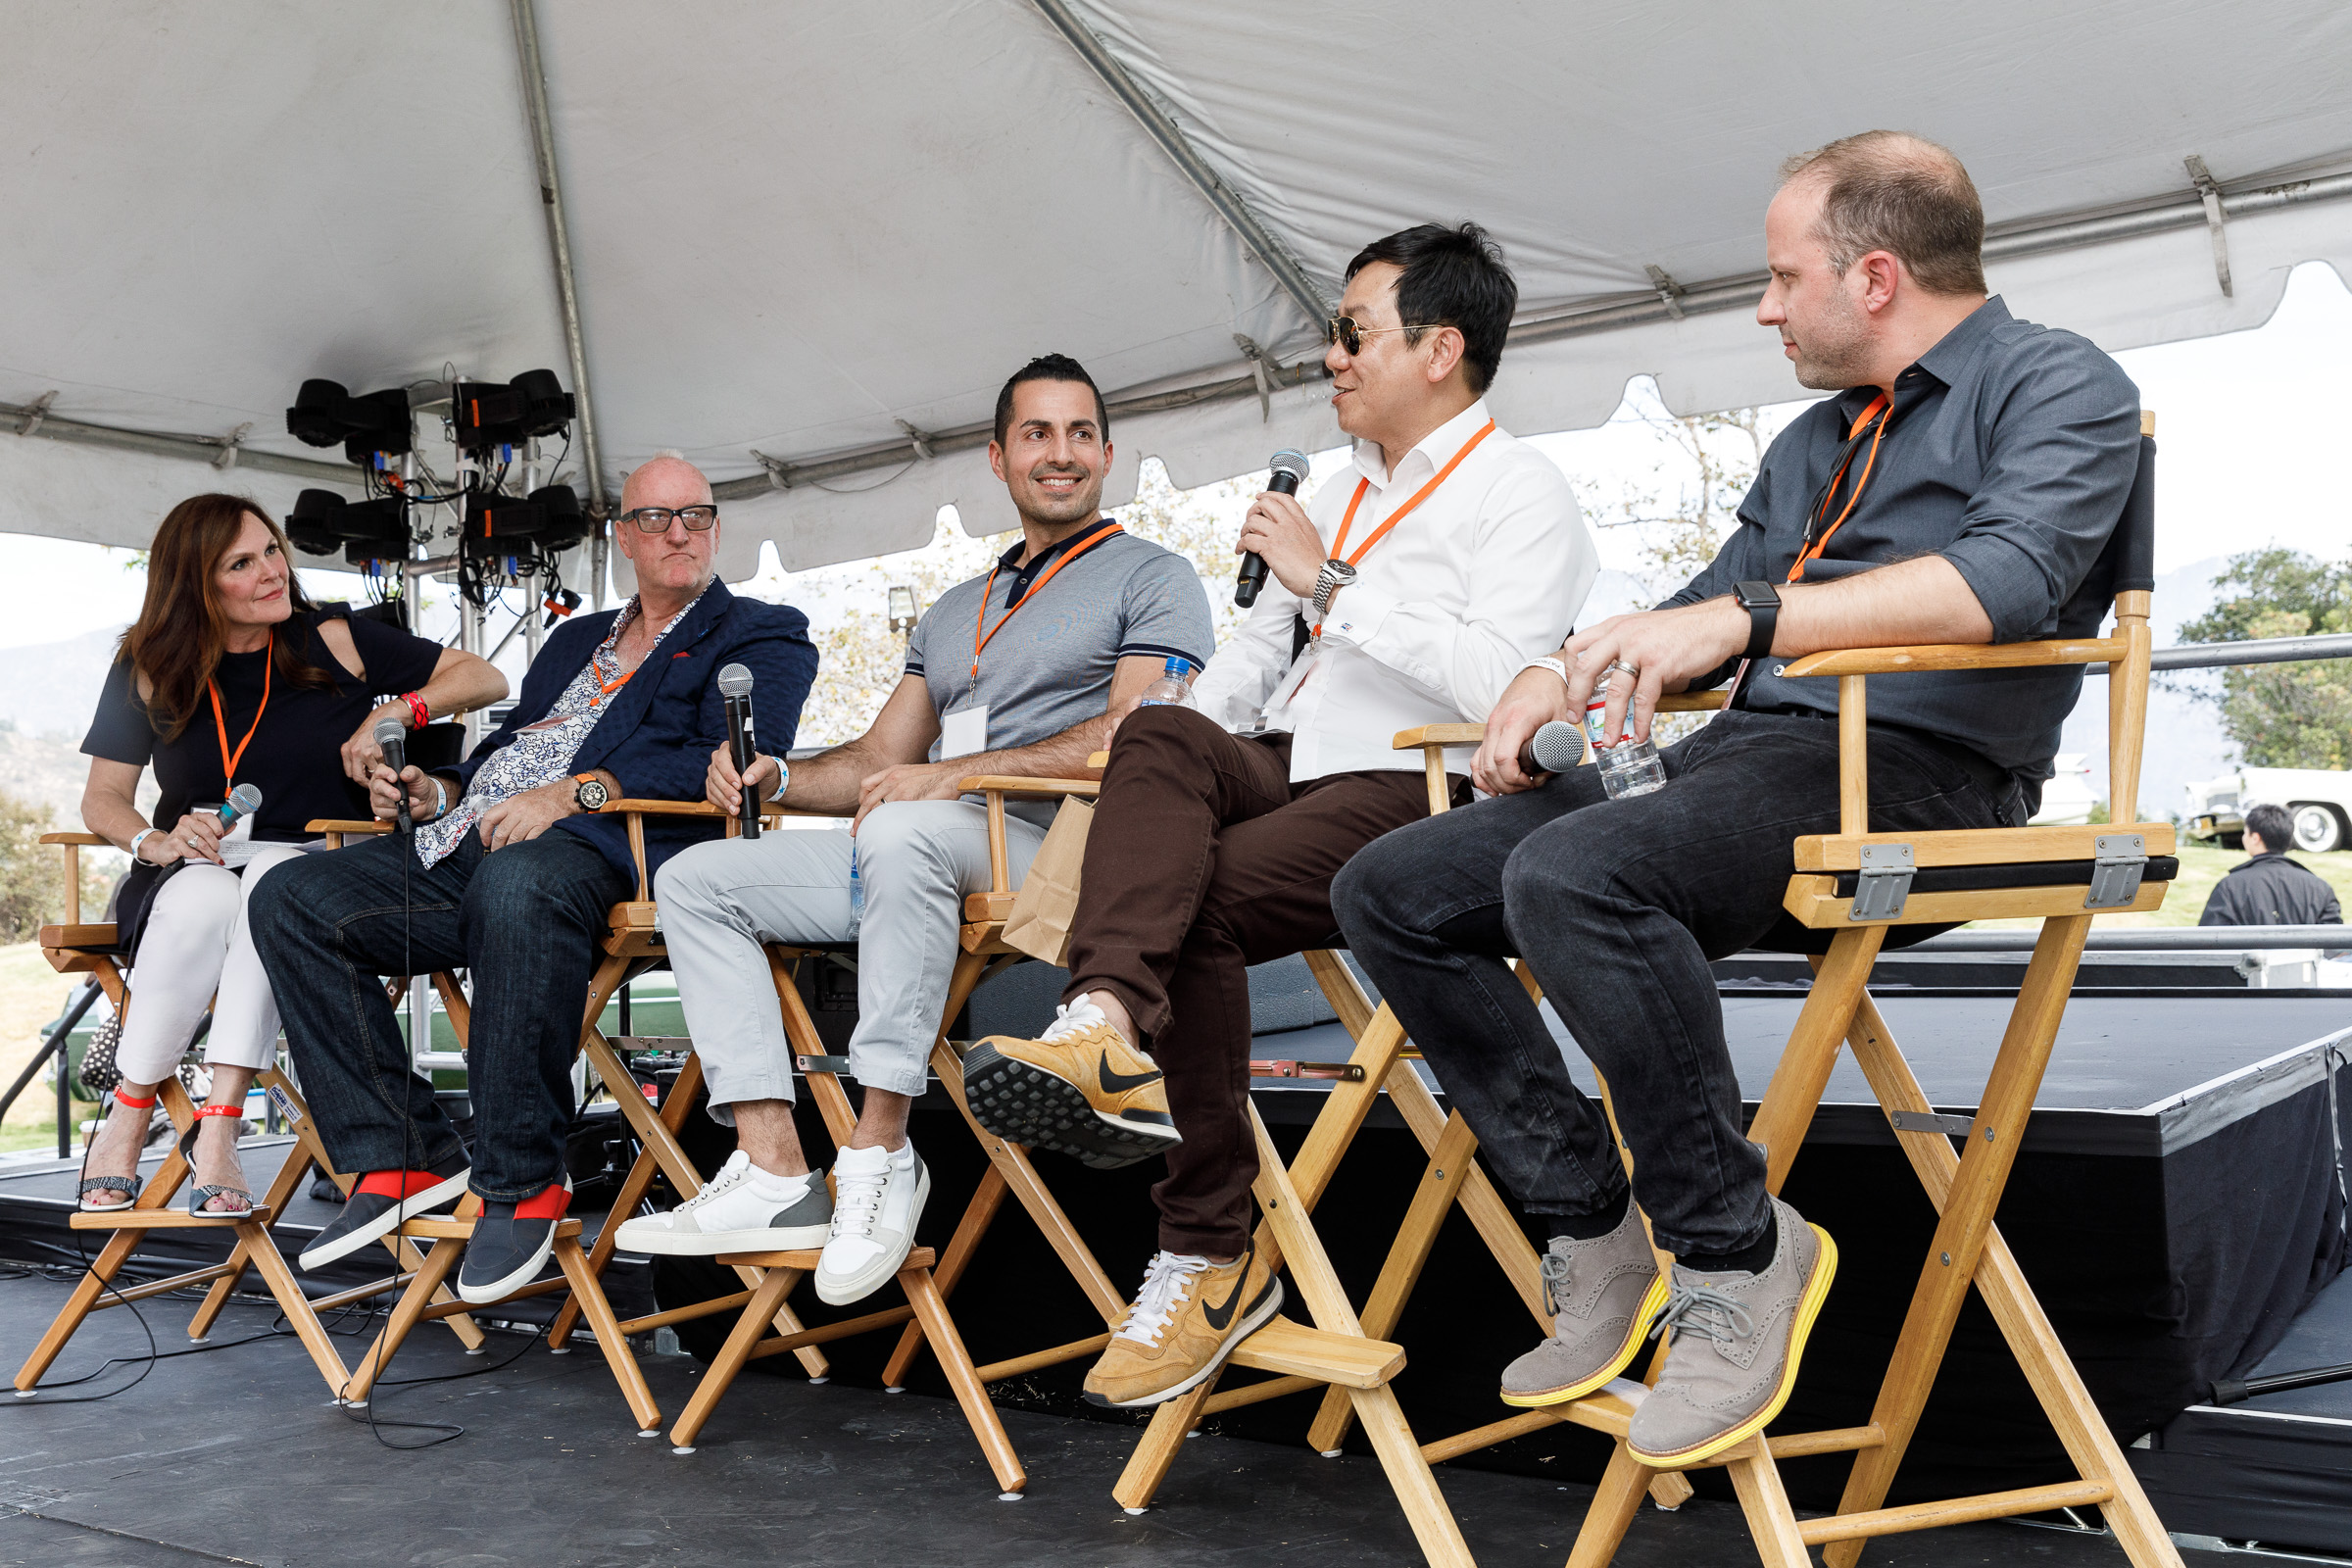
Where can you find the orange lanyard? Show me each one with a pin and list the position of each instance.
(228, 758)
(1883, 412)
(979, 641)
(1363, 486)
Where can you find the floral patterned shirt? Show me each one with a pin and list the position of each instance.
(541, 754)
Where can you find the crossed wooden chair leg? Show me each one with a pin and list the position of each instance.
(153, 1211)
(1967, 1250)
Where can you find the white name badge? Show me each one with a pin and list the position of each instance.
(1286, 690)
(963, 733)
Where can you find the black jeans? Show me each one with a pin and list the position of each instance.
(1618, 906)
(524, 921)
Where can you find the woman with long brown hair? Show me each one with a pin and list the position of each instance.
(230, 678)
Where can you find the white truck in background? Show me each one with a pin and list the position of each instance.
(2318, 802)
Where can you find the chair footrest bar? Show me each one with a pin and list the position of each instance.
(1493, 1432)
(162, 1219)
(360, 1292)
(998, 1371)
(1952, 1511)
(684, 1314)
(1345, 1360)
(178, 1282)
(438, 1310)
(825, 1333)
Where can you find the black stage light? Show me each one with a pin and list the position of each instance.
(487, 413)
(549, 518)
(311, 525)
(325, 413)
(567, 524)
(546, 407)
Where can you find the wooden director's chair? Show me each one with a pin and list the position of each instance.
(1379, 1066)
(1857, 885)
(80, 948)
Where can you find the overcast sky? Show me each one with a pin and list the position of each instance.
(2246, 422)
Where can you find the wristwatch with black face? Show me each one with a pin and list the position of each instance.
(1762, 602)
(591, 795)
(1335, 576)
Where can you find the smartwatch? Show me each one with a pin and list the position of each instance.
(591, 794)
(1762, 602)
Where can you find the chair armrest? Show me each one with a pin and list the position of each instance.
(1957, 655)
(1027, 789)
(72, 838)
(332, 827)
(627, 807)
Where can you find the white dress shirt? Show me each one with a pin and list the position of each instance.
(1486, 574)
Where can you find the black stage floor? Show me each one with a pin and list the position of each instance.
(234, 1455)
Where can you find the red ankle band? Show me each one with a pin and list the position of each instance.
(237, 1111)
(397, 1184)
(125, 1099)
(548, 1203)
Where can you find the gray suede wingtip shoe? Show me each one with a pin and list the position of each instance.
(1602, 1293)
(1733, 1345)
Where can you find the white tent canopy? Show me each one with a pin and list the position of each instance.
(810, 242)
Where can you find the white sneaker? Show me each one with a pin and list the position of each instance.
(877, 1197)
(741, 1210)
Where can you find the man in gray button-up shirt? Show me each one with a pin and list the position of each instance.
(1959, 488)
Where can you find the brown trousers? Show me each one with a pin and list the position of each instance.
(1206, 858)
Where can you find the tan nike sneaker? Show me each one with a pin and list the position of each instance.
(1186, 1319)
(1079, 1088)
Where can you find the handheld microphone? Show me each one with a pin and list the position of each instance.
(243, 800)
(392, 740)
(1554, 747)
(1290, 468)
(743, 742)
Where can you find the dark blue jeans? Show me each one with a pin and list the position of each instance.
(524, 921)
(1619, 906)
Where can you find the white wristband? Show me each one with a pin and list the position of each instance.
(440, 798)
(1547, 662)
(139, 837)
(783, 781)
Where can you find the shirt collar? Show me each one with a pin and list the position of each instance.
(1943, 364)
(1023, 576)
(1430, 454)
(636, 606)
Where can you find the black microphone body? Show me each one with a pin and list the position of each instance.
(1553, 748)
(393, 741)
(743, 741)
(1290, 467)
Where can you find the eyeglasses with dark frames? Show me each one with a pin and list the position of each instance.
(656, 520)
(1350, 334)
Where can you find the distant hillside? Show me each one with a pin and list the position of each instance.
(52, 688)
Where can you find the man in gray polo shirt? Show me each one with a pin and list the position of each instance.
(1017, 672)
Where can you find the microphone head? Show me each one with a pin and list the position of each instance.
(390, 732)
(245, 799)
(735, 681)
(1291, 462)
(1557, 746)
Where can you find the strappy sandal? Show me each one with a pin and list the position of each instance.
(129, 1185)
(198, 1196)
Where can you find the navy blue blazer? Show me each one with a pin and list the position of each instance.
(658, 731)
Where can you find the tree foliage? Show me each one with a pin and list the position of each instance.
(2282, 715)
(32, 874)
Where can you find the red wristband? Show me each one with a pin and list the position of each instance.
(418, 709)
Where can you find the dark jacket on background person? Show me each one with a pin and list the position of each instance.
(658, 734)
(2272, 890)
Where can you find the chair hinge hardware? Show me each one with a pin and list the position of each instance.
(2115, 875)
(1884, 882)
(1928, 1121)
(839, 1066)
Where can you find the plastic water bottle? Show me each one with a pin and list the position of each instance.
(1171, 690)
(1627, 767)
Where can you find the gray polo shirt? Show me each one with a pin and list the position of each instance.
(2011, 453)
(1051, 666)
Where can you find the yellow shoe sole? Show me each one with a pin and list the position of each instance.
(1809, 1307)
(1652, 1305)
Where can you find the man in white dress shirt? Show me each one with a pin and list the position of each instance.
(1417, 585)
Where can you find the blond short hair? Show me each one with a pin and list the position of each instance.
(1888, 190)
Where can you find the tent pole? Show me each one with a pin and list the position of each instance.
(551, 197)
(1263, 242)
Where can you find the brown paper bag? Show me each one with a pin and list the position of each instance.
(1047, 906)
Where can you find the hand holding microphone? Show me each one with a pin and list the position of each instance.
(1553, 748)
(743, 741)
(391, 738)
(1289, 469)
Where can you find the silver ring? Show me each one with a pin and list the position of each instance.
(1633, 671)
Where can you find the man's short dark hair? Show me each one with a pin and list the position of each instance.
(1452, 277)
(1050, 367)
(2278, 829)
(1888, 190)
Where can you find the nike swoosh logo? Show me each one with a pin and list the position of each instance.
(1219, 1316)
(1118, 1083)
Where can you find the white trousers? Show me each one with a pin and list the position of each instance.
(916, 860)
(198, 949)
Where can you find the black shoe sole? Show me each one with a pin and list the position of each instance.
(1025, 1105)
(442, 1195)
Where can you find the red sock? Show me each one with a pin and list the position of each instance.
(548, 1203)
(395, 1184)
